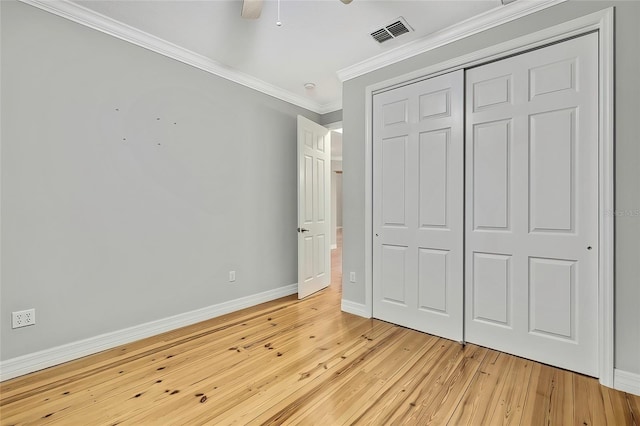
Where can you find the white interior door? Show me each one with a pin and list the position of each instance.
(532, 205)
(418, 206)
(314, 207)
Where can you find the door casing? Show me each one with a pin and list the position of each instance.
(601, 22)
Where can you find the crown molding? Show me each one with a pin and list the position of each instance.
(89, 18)
(471, 26)
(330, 107)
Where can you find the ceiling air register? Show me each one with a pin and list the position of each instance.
(391, 31)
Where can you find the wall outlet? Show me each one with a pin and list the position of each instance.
(352, 277)
(232, 276)
(23, 318)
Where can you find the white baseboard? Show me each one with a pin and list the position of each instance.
(29, 363)
(626, 382)
(355, 308)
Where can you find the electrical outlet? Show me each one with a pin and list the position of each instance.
(23, 318)
(232, 276)
(352, 277)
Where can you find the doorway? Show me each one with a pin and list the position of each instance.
(336, 201)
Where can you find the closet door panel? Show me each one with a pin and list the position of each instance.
(531, 229)
(418, 206)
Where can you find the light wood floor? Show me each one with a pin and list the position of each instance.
(291, 362)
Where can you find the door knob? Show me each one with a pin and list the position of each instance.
(302, 230)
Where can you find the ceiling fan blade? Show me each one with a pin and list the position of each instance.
(251, 9)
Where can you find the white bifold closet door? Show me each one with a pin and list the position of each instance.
(531, 232)
(418, 205)
(523, 258)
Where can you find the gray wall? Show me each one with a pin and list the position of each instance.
(338, 200)
(331, 117)
(336, 192)
(100, 233)
(627, 263)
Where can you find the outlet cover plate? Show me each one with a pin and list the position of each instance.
(23, 318)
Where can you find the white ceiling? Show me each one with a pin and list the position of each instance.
(317, 38)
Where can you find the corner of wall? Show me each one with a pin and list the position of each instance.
(355, 308)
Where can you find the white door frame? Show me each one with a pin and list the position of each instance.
(602, 22)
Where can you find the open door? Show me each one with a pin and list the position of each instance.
(314, 214)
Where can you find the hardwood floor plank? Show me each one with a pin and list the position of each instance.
(550, 399)
(358, 402)
(618, 410)
(125, 355)
(267, 402)
(512, 399)
(436, 405)
(306, 362)
(428, 393)
(497, 394)
(72, 371)
(241, 392)
(158, 366)
(480, 398)
(227, 351)
(388, 400)
(374, 353)
(633, 403)
(353, 391)
(589, 406)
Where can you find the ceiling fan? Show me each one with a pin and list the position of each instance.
(251, 9)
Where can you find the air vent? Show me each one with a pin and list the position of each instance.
(397, 28)
(381, 35)
(391, 31)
